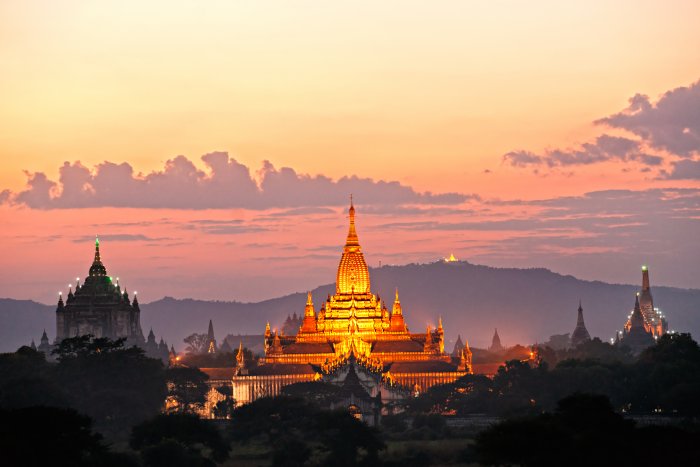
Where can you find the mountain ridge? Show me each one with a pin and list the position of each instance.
(526, 305)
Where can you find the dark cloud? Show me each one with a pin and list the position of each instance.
(225, 184)
(604, 148)
(685, 169)
(671, 124)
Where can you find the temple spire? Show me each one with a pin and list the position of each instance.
(637, 319)
(645, 278)
(352, 240)
(240, 359)
(97, 268)
(580, 334)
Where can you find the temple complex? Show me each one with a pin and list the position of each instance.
(353, 340)
(580, 334)
(654, 320)
(100, 307)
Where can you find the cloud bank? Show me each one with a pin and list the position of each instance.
(225, 184)
(670, 125)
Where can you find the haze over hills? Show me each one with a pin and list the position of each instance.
(526, 305)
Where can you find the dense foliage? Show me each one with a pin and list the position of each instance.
(179, 439)
(663, 379)
(115, 386)
(584, 430)
(298, 429)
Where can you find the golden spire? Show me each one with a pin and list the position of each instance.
(240, 361)
(353, 274)
(352, 240)
(396, 310)
(439, 323)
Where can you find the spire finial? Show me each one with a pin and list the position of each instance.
(309, 301)
(352, 240)
(97, 268)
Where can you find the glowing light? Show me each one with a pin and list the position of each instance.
(60, 293)
(451, 259)
(644, 268)
(135, 292)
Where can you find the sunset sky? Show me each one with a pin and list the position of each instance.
(213, 146)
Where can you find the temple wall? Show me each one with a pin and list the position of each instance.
(427, 380)
(246, 389)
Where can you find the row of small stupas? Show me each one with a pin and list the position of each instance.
(100, 308)
(353, 340)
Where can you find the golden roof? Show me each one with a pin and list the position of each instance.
(353, 275)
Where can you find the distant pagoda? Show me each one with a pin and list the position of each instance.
(496, 346)
(99, 307)
(580, 334)
(654, 320)
(637, 337)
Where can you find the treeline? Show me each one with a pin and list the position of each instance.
(664, 379)
(565, 408)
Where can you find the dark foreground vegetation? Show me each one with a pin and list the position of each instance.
(101, 404)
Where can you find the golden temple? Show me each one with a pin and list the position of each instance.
(353, 335)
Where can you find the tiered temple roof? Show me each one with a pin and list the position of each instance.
(99, 307)
(352, 325)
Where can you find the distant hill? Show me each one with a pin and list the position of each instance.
(24, 320)
(526, 305)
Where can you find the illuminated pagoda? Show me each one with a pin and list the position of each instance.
(353, 335)
(99, 307)
(654, 320)
(637, 336)
(210, 344)
(580, 334)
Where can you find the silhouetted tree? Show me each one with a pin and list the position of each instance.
(50, 436)
(160, 438)
(27, 381)
(115, 386)
(196, 343)
(348, 440)
(187, 387)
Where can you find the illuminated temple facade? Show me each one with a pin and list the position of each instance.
(654, 320)
(353, 341)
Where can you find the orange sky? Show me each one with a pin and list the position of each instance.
(428, 94)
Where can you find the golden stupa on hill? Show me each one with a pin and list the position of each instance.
(353, 339)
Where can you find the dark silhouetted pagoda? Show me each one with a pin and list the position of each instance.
(580, 334)
(457, 349)
(99, 307)
(496, 346)
(637, 337)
